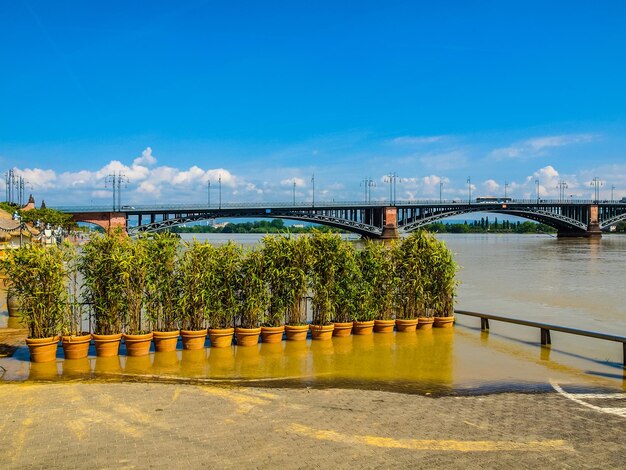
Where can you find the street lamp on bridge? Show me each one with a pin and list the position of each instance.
(469, 189)
(537, 183)
(219, 180)
(368, 183)
(562, 186)
(596, 183)
(392, 179)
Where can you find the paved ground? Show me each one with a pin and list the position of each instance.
(151, 425)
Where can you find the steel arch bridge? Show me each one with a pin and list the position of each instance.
(372, 220)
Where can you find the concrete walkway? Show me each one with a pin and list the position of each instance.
(151, 425)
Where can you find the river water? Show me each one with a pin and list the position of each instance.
(577, 283)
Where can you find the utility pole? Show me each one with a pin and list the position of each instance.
(392, 179)
(562, 187)
(596, 183)
(116, 180)
(506, 186)
(294, 191)
(209, 193)
(313, 183)
(219, 180)
(612, 191)
(440, 191)
(368, 183)
(537, 183)
(469, 190)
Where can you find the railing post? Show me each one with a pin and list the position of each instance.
(545, 337)
(484, 324)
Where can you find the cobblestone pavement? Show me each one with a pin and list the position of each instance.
(151, 425)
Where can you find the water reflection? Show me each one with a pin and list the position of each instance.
(193, 362)
(166, 362)
(107, 366)
(43, 371)
(76, 368)
(138, 365)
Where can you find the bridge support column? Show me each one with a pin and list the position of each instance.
(593, 227)
(390, 227)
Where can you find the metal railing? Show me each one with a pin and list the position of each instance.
(545, 329)
(189, 207)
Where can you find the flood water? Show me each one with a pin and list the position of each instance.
(576, 283)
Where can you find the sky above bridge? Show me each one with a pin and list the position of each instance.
(262, 94)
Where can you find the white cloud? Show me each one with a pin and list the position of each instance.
(417, 140)
(146, 158)
(38, 178)
(491, 186)
(289, 182)
(537, 146)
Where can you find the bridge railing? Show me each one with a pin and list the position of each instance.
(545, 329)
(182, 207)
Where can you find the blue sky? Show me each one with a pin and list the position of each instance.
(178, 93)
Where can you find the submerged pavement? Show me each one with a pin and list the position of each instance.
(141, 425)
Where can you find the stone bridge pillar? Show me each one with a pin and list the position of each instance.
(390, 224)
(593, 226)
(106, 220)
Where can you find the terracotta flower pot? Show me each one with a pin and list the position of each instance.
(138, 345)
(363, 327)
(43, 349)
(296, 332)
(443, 322)
(425, 323)
(342, 329)
(222, 337)
(384, 326)
(406, 326)
(272, 334)
(248, 336)
(13, 306)
(322, 332)
(193, 339)
(107, 345)
(165, 341)
(76, 347)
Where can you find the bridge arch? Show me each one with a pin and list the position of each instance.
(558, 221)
(359, 228)
(106, 220)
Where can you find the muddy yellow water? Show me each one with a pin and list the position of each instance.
(441, 361)
(574, 283)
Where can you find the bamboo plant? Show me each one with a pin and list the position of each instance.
(134, 269)
(162, 287)
(324, 280)
(426, 272)
(195, 281)
(73, 326)
(38, 277)
(102, 267)
(254, 294)
(286, 269)
(223, 294)
(377, 282)
(440, 274)
(348, 279)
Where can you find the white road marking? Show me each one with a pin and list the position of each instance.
(579, 397)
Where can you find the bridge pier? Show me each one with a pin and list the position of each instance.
(593, 227)
(390, 227)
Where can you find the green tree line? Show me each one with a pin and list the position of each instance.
(260, 226)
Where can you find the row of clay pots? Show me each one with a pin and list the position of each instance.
(77, 347)
(387, 326)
